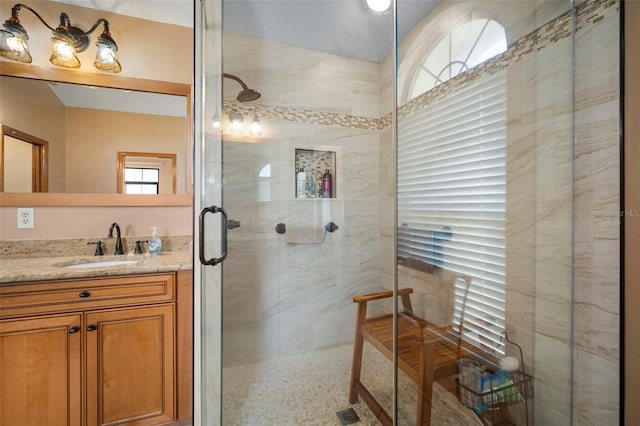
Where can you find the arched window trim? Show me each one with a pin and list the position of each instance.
(459, 65)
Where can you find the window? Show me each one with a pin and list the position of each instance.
(466, 46)
(452, 198)
(264, 183)
(138, 180)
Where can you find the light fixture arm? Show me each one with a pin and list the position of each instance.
(98, 22)
(80, 37)
(17, 7)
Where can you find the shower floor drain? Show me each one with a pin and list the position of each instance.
(348, 416)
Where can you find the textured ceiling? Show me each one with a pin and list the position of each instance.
(342, 27)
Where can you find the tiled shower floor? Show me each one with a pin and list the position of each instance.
(308, 390)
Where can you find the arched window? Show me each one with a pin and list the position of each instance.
(264, 183)
(466, 46)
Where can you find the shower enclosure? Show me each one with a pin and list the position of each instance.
(474, 161)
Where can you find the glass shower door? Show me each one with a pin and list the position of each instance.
(297, 255)
(209, 236)
(485, 208)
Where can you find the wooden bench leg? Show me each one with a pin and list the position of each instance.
(358, 343)
(425, 384)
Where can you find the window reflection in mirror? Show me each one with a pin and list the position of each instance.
(146, 173)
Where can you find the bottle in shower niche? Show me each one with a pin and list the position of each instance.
(312, 186)
(155, 243)
(326, 184)
(301, 184)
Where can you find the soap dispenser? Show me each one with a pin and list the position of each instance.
(155, 243)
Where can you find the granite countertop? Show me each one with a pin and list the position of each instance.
(26, 269)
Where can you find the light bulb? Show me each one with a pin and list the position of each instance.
(63, 52)
(378, 6)
(236, 125)
(256, 127)
(215, 123)
(107, 58)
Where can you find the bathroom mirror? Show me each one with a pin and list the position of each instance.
(87, 119)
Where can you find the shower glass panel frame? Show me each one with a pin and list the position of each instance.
(207, 183)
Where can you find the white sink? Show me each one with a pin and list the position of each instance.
(100, 264)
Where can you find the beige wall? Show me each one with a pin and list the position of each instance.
(147, 50)
(92, 150)
(94, 222)
(632, 221)
(17, 111)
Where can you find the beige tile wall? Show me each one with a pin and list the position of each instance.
(282, 298)
(544, 199)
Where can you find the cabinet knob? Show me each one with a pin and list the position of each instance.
(84, 294)
(92, 327)
(74, 329)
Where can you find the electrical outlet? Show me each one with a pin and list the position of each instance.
(25, 218)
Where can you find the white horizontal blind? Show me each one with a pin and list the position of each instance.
(452, 177)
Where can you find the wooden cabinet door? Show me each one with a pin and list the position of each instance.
(40, 380)
(130, 358)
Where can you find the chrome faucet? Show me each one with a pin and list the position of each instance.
(118, 239)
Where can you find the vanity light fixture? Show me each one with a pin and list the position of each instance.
(67, 40)
(235, 121)
(378, 6)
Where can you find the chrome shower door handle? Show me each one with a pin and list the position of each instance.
(215, 260)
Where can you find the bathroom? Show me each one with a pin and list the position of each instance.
(283, 301)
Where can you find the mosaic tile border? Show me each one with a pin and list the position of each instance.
(588, 14)
(305, 115)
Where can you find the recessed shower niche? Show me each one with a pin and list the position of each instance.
(315, 173)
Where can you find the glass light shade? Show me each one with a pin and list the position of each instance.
(256, 127)
(63, 53)
(13, 42)
(107, 58)
(216, 125)
(378, 6)
(236, 125)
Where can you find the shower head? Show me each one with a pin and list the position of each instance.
(246, 94)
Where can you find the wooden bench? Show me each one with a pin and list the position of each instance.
(426, 353)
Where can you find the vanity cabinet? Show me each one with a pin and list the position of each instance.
(96, 352)
(40, 365)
